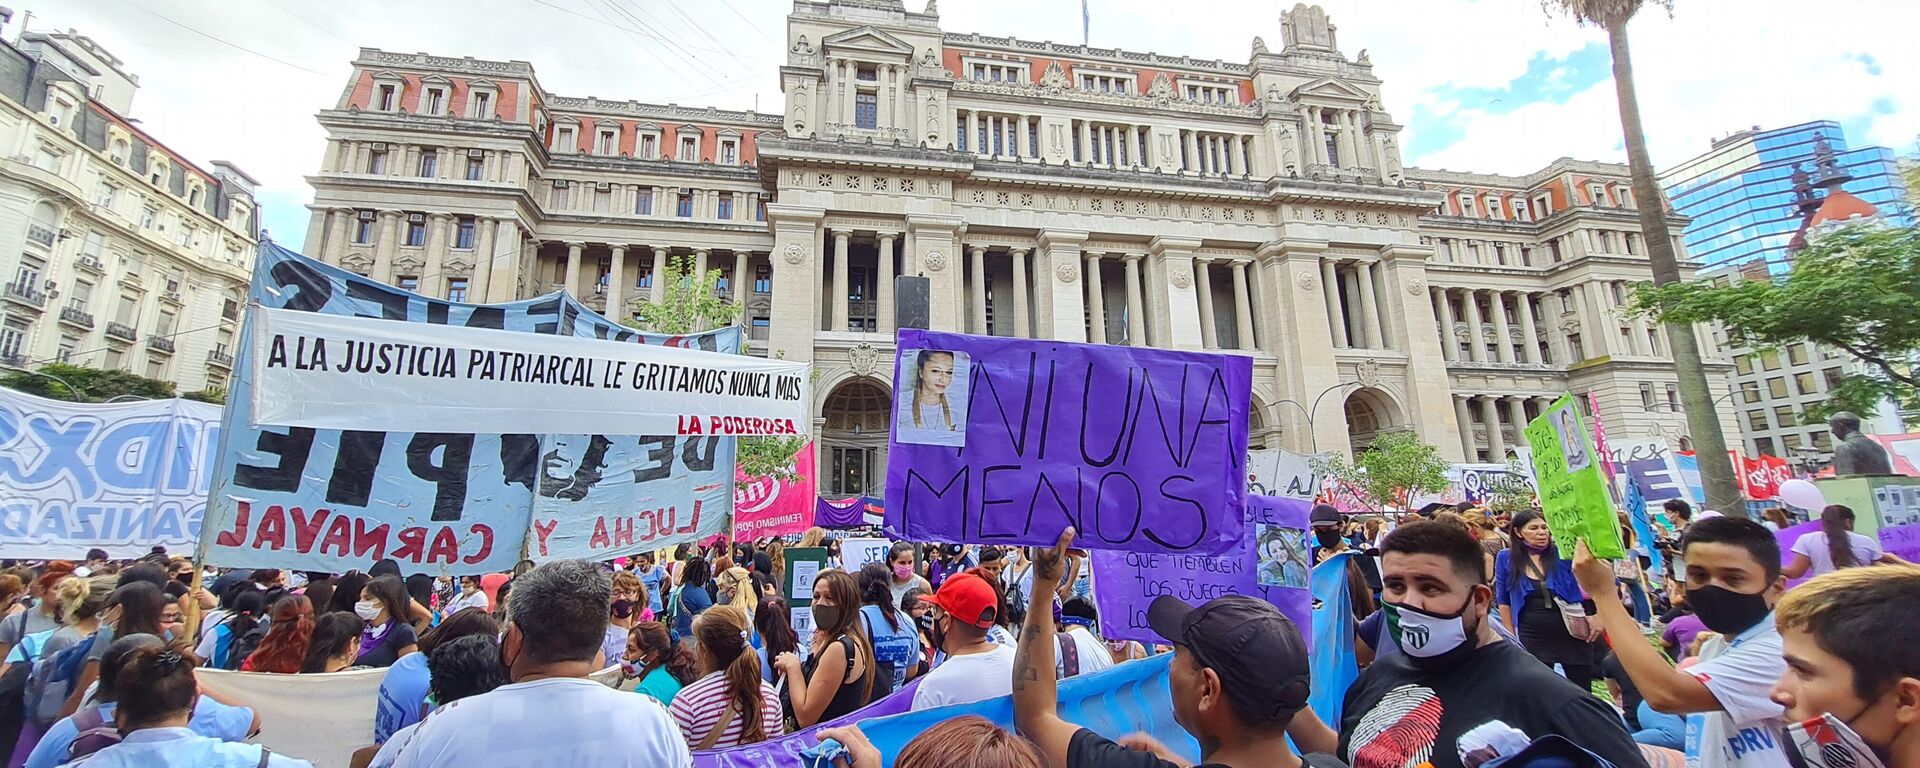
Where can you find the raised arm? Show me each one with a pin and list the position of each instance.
(1034, 690)
(1665, 688)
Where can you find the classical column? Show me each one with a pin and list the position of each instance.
(1242, 306)
(841, 239)
(1465, 420)
(738, 286)
(1204, 287)
(1096, 302)
(1643, 338)
(1553, 308)
(1496, 442)
(1503, 334)
(437, 224)
(973, 133)
(572, 280)
(1086, 142)
(617, 284)
(700, 265)
(1370, 306)
(1448, 347)
(847, 70)
(884, 310)
(978, 291)
(661, 254)
(384, 248)
(1136, 303)
(339, 224)
(1336, 314)
(1517, 413)
(1020, 324)
(482, 275)
(1599, 334)
(1193, 151)
(1530, 335)
(1476, 338)
(1017, 126)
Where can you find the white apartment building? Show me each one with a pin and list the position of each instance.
(127, 255)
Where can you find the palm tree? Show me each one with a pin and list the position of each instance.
(1703, 420)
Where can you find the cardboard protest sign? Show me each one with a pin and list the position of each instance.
(342, 372)
(1279, 472)
(1573, 492)
(450, 502)
(856, 552)
(122, 477)
(803, 565)
(1009, 441)
(764, 507)
(1271, 563)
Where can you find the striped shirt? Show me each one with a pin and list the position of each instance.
(699, 707)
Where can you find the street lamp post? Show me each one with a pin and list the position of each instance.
(1313, 437)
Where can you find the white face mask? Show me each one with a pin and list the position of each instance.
(1827, 742)
(366, 609)
(1424, 635)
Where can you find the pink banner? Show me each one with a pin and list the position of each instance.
(1904, 450)
(1761, 477)
(764, 507)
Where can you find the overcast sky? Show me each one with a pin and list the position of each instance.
(1481, 85)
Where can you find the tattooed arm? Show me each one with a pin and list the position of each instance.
(1034, 689)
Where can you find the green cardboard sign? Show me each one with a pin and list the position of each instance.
(1573, 490)
(803, 565)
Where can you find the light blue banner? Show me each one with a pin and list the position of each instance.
(446, 503)
(122, 477)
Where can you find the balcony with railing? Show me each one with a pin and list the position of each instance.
(77, 317)
(40, 235)
(122, 331)
(12, 360)
(90, 263)
(160, 344)
(25, 294)
(219, 359)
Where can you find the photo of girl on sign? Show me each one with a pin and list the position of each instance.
(1283, 556)
(932, 407)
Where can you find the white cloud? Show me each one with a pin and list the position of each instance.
(1718, 66)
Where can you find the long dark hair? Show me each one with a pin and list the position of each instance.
(154, 684)
(1837, 521)
(668, 655)
(776, 627)
(723, 634)
(1516, 544)
(695, 573)
(247, 610)
(876, 589)
(846, 595)
(140, 605)
(346, 592)
(331, 634)
(392, 595)
(463, 622)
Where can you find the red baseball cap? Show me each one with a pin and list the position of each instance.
(968, 598)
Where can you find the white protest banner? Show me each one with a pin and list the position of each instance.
(1279, 472)
(857, 552)
(339, 372)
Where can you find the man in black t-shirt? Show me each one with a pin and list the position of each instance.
(1239, 674)
(1453, 673)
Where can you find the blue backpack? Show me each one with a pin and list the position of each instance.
(52, 682)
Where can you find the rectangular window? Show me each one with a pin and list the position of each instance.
(650, 147)
(1749, 392)
(377, 161)
(605, 143)
(1770, 360)
(1834, 377)
(1805, 383)
(482, 105)
(1493, 208)
(436, 101)
(363, 228)
(866, 110)
(476, 167)
(1784, 416)
(1776, 387)
(760, 209)
(1646, 395)
(387, 96)
(725, 207)
(1673, 396)
(457, 289)
(429, 162)
(416, 230)
(762, 278)
(643, 202)
(463, 234)
(1797, 354)
(1743, 363)
(1757, 421)
(689, 149)
(729, 152)
(683, 206)
(107, 196)
(149, 217)
(563, 140)
(408, 282)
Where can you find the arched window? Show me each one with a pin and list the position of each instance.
(119, 152)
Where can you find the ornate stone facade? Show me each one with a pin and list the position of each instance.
(1044, 190)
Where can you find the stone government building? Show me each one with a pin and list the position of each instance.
(1046, 191)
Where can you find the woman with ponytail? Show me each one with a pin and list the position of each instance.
(288, 633)
(216, 645)
(895, 639)
(157, 693)
(729, 705)
(655, 665)
(1835, 546)
(837, 677)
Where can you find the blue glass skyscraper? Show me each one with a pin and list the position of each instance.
(1740, 194)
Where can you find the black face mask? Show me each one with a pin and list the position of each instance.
(936, 634)
(1726, 611)
(825, 616)
(1327, 539)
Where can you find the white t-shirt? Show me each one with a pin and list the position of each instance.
(1866, 550)
(967, 679)
(1094, 654)
(1745, 733)
(476, 600)
(546, 723)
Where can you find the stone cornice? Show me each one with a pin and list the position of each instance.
(1110, 55)
(636, 109)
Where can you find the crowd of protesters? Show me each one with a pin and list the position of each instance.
(1476, 635)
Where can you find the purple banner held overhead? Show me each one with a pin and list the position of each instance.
(838, 513)
(1009, 441)
(1270, 562)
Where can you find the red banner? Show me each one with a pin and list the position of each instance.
(1761, 477)
(764, 507)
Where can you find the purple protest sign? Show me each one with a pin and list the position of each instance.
(1009, 441)
(840, 513)
(1270, 562)
(1786, 537)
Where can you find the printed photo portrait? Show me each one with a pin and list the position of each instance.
(1573, 443)
(931, 399)
(1282, 553)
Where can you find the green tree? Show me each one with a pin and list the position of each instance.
(1854, 289)
(216, 396)
(691, 303)
(1389, 473)
(80, 384)
(1703, 421)
(1509, 493)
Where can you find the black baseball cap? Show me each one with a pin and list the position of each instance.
(1256, 650)
(1324, 514)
